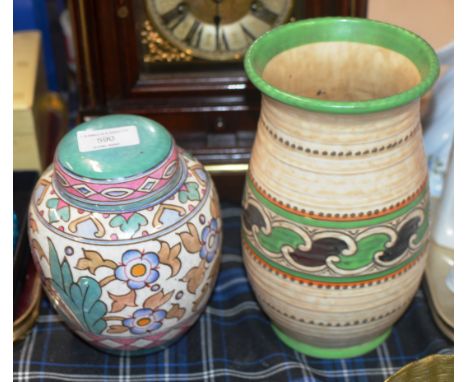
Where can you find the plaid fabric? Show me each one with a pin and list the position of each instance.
(233, 341)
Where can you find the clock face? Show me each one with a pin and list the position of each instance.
(216, 29)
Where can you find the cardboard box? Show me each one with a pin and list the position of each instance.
(29, 92)
(431, 19)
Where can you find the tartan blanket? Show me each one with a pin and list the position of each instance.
(232, 341)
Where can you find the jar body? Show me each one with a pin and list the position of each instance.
(335, 224)
(129, 281)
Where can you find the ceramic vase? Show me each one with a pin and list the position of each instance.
(335, 209)
(125, 230)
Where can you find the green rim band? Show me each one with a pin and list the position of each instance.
(350, 29)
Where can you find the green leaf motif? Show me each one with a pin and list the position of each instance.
(191, 193)
(81, 297)
(55, 267)
(67, 277)
(278, 237)
(366, 249)
(55, 214)
(130, 226)
(421, 232)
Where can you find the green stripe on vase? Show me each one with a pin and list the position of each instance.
(332, 29)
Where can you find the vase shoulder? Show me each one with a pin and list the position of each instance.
(338, 165)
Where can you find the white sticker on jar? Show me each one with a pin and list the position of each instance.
(107, 138)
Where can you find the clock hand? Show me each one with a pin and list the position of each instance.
(217, 21)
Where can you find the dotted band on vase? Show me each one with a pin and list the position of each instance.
(335, 153)
(353, 216)
(338, 324)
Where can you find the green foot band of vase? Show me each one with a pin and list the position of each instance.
(332, 353)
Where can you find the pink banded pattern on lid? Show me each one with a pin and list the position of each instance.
(111, 190)
(150, 185)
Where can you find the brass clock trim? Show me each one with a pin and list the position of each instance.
(160, 41)
(158, 49)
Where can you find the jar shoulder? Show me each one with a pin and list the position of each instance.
(55, 213)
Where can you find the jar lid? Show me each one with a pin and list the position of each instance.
(117, 163)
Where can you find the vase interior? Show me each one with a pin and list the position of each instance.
(341, 71)
(342, 65)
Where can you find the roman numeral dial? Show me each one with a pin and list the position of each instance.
(175, 15)
(261, 11)
(216, 30)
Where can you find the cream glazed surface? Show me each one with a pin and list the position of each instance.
(336, 219)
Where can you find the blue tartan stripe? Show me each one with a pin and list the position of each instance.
(327, 364)
(233, 341)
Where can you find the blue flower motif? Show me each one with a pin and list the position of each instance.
(138, 269)
(145, 321)
(210, 238)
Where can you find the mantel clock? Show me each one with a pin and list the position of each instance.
(179, 62)
(216, 30)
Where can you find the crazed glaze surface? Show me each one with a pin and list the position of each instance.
(129, 281)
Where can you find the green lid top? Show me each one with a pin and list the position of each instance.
(329, 29)
(114, 147)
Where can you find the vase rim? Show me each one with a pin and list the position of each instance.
(342, 29)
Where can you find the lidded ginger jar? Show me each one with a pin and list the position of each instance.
(125, 230)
